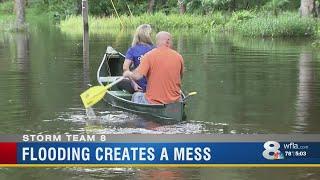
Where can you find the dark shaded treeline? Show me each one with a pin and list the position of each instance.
(63, 8)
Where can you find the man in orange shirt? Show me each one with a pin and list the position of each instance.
(163, 68)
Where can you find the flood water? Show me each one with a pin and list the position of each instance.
(245, 86)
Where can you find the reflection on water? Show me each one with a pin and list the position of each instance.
(22, 55)
(304, 95)
(161, 173)
(86, 58)
(121, 122)
(91, 115)
(245, 86)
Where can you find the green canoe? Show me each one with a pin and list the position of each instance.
(110, 69)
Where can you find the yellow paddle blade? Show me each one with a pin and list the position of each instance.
(192, 93)
(93, 95)
(188, 95)
(96, 93)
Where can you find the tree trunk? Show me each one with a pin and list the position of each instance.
(307, 8)
(20, 13)
(182, 7)
(151, 6)
(232, 5)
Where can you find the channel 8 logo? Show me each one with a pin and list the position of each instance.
(272, 151)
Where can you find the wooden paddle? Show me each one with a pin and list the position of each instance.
(96, 93)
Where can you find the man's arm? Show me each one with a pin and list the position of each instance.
(140, 71)
(126, 65)
(133, 75)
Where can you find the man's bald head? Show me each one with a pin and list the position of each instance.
(164, 38)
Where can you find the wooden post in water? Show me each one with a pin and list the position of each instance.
(85, 44)
(85, 15)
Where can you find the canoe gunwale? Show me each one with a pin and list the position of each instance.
(158, 106)
(145, 105)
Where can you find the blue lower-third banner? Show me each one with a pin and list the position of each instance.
(268, 152)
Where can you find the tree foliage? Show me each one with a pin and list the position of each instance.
(275, 6)
(64, 8)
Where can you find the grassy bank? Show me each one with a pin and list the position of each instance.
(158, 21)
(246, 23)
(287, 24)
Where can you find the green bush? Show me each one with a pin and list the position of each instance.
(218, 18)
(56, 9)
(275, 6)
(284, 25)
(6, 7)
(239, 16)
(7, 16)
